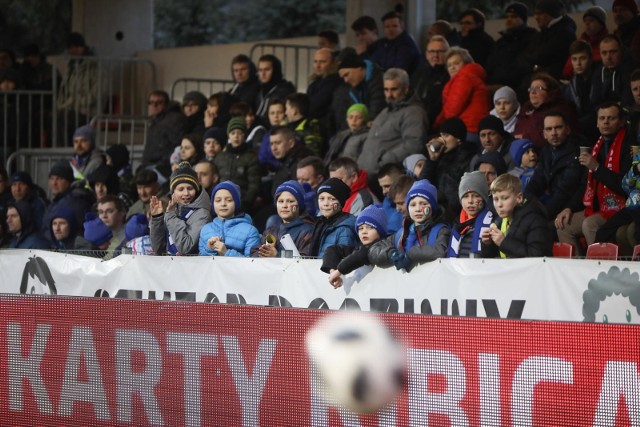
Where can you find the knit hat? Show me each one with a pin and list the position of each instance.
(216, 133)
(86, 132)
(597, 13)
(426, 190)
(62, 170)
(454, 127)
(184, 174)
(410, 162)
(375, 217)
(627, 4)
(493, 123)
(293, 187)
(552, 8)
(364, 111)
(22, 176)
(337, 189)
(96, 231)
(231, 188)
(519, 9)
(505, 92)
(197, 97)
(474, 181)
(67, 214)
(137, 226)
(493, 158)
(351, 59)
(119, 154)
(518, 148)
(237, 123)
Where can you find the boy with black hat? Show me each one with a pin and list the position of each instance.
(333, 227)
(176, 231)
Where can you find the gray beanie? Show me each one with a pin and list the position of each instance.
(474, 181)
(507, 93)
(411, 161)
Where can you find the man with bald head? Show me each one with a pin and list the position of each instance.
(324, 81)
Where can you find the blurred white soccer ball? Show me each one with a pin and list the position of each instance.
(360, 362)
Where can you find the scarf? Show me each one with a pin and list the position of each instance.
(609, 202)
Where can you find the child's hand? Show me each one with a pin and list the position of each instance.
(155, 206)
(208, 118)
(335, 278)
(172, 203)
(267, 250)
(496, 235)
(211, 243)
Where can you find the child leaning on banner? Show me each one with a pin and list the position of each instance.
(176, 231)
(466, 241)
(332, 226)
(371, 226)
(231, 233)
(296, 222)
(521, 229)
(423, 236)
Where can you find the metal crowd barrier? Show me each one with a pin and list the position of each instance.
(297, 61)
(207, 86)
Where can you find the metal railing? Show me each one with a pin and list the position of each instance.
(297, 61)
(206, 86)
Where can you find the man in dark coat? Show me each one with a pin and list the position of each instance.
(548, 51)
(429, 80)
(397, 49)
(21, 226)
(272, 84)
(473, 36)
(557, 176)
(245, 75)
(165, 131)
(506, 63)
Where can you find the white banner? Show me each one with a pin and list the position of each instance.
(533, 288)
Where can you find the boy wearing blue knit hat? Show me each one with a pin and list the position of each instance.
(290, 204)
(525, 159)
(338, 260)
(423, 236)
(231, 233)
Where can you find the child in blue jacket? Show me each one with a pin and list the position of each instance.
(333, 227)
(231, 233)
(423, 236)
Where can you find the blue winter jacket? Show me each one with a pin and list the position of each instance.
(341, 233)
(238, 234)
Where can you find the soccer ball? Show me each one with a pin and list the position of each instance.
(360, 363)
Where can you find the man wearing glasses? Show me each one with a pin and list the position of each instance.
(165, 132)
(429, 80)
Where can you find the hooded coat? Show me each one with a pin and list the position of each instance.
(28, 237)
(238, 234)
(184, 232)
(466, 96)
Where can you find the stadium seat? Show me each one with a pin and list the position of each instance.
(563, 250)
(636, 253)
(607, 251)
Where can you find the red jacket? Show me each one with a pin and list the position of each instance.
(466, 96)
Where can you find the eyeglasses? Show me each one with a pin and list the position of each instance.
(106, 211)
(537, 89)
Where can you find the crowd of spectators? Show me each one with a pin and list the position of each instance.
(476, 148)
